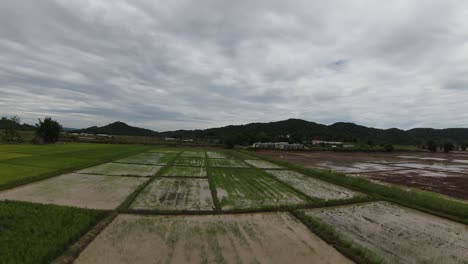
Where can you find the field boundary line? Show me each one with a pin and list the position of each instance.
(212, 185)
(125, 205)
(280, 208)
(75, 249)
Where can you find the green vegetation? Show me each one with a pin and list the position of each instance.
(426, 201)
(227, 163)
(33, 233)
(119, 128)
(347, 247)
(10, 132)
(48, 130)
(21, 164)
(251, 189)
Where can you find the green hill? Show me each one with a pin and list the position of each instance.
(120, 129)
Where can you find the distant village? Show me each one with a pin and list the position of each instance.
(297, 146)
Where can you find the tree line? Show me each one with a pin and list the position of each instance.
(46, 130)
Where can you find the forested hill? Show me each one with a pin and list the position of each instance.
(300, 130)
(119, 128)
(296, 130)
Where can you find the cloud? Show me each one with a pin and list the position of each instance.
(184, 64)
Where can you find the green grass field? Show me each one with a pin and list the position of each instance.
(23, 163)
(33, 233)
(249, 189)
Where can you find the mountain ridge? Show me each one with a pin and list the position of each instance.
(297, 130)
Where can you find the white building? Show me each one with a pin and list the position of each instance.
(278, 145)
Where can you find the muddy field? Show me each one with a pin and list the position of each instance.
(185, 171)
(149, 158)
(438, 172)
(122, 169)
(262, 164)
(215, 155)
(193, 154)
(198, 162)
(244, 238)
(399, 234)
(78, 190)
(313, 187)
(176, 194)
(229, 163)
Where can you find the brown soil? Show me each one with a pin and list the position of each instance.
(451, 186)
(243, 238)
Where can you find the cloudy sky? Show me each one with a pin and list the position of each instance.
(177, 64)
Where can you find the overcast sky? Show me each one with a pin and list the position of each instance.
(186, 64)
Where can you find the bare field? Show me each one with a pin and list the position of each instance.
(437, 172)
(175, 194)
(121, 169)
(149, 158)
(249, 189)
(399, 234)
(313, 187)
(245, 238)
(229, 163)
(78, 190)
(262, 164)
(185, 171)
(197, 162)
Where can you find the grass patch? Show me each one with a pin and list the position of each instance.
(33, 233)
(36, 162)
(425, 201)
(249, 188)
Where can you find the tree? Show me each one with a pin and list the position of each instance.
(431, 146)
(10, 134)
(388, 147)
(448, 146)
(463, 146)
(48, 131)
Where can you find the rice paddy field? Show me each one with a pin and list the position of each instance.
(85, 203)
